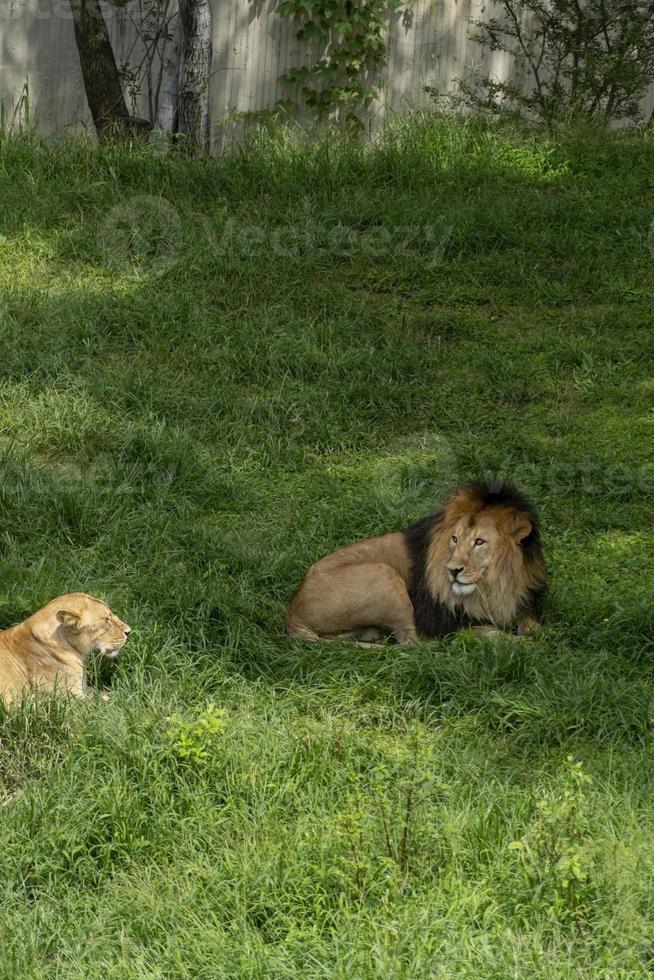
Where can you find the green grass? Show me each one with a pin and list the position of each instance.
(214, 372)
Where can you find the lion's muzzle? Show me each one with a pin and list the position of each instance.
(463, 588)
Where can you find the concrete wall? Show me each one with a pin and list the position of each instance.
(253, 46)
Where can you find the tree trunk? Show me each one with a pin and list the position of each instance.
(193, 96)
(101, 80)
(167, 103)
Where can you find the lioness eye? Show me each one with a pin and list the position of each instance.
(479, 541)
(455, 540)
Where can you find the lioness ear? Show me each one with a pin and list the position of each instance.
(71, 620)
(522, 527)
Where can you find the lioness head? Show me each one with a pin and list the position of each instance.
(87, 624)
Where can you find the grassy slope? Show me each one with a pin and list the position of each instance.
(184, 439)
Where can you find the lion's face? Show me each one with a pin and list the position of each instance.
(89, 624)
(484, 556)
(479, 544)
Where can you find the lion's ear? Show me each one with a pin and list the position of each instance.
(71, 620)
(522, 527)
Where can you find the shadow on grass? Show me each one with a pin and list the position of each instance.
(106, 491)
(186, 443)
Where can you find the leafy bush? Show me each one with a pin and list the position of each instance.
(192, 739)
(556, 852)
(578, 58)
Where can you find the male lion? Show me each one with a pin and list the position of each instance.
(477, 562)
(49, 650)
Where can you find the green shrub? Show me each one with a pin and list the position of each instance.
(193, 738)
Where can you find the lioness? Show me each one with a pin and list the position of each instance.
(477, 562)
(49, 650)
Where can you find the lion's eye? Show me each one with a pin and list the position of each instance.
(479, 541)
(455, 540)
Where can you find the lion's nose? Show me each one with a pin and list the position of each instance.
(127, 630)
(455, 571)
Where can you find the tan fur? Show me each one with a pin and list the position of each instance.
(49, 650)
(362, 591)
(359, 591)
